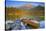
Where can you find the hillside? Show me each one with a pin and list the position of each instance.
(13, 13)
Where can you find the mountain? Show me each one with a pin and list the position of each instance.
(26, 6)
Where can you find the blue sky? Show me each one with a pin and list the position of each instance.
(20, 3)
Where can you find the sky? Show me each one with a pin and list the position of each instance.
(10, 3)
